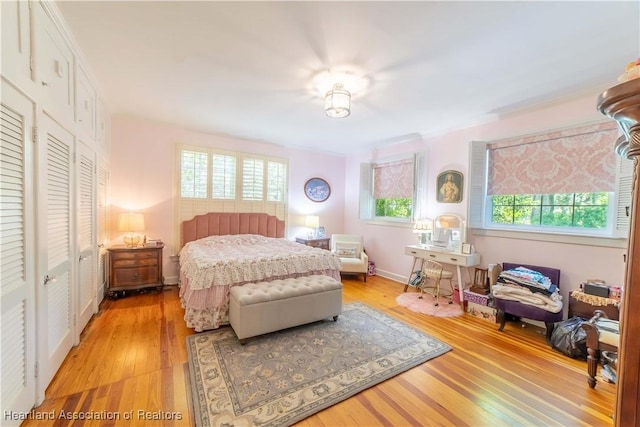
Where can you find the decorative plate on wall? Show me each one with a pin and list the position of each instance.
(317, 189)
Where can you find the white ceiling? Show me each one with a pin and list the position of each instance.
(246, 68)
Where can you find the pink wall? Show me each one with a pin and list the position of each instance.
(142, 179)
(385, 244)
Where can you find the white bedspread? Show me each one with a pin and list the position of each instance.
(228, 260)
(210, 266)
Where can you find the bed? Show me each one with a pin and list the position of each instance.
(221, 250)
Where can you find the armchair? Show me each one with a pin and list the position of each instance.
(350, 250)
(520, 310)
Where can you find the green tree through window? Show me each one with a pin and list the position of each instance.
(579, 210)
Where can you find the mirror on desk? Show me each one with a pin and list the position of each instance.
(449, 232)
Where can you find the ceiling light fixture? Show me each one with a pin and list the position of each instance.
(337, 102)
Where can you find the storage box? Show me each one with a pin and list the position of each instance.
(482, 311)
(476, 298)
(596, 289)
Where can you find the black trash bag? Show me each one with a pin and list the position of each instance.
(570, 339)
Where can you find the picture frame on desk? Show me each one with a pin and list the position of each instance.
(466, 248)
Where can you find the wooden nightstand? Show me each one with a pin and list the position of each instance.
(134, 268)
(583, 305)
(322, 243)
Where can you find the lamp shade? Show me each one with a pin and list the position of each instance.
(130, 222)
(337, 102)
(312, 221)
(423, 225)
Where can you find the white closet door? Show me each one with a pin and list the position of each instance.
(87, 266)
(102, 229)
(55, 293)
(16, 41)
(17, 268)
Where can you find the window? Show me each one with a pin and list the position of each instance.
(392, 189)
(213, 180)
(568, 182)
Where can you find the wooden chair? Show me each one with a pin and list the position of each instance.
(434, 271)
(603, 334)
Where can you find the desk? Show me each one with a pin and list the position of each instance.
(451, 258)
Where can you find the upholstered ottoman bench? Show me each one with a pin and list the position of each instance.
(260, 308)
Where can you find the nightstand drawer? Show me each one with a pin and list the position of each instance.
(135, 276)
(138, 255)
(118, 262)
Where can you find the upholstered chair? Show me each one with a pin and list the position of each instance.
(525, 311)
(603, 334)
(350, 250)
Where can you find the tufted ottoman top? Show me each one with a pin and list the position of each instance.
(253, 293)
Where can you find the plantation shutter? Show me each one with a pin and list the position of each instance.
(477, 183)
(624, 191)
(276, 181)
(366, 192)
(252, 179)
(194, 171)
(17, 277)
(223, 183)
(262, 182)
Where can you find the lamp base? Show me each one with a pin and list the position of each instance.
(131, 240)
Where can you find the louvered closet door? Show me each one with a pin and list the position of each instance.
(102, 234)
(87, 266)
(17, 267)
(55, 292)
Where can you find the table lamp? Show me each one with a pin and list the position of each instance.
(312, 222)
(423, 228)
(130, 223)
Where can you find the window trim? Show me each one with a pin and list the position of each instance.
(419, 202)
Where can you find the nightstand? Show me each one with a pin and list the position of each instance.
(134, 268)
(584, 305)
(322, 243)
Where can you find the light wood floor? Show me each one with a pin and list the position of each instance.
(132, 360)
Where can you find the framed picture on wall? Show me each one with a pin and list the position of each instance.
(317, 189)
(449, 186)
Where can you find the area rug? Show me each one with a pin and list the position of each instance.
(426, 305)
(281, 378)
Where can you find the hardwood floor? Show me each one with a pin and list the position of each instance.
(132, 363)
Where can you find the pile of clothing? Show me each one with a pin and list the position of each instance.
(528, 287)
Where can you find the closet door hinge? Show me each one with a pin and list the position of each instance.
(34, 134)
(36, 369)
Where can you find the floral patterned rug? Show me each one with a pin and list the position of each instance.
(281, 378)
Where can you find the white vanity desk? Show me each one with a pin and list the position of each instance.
(442, 256)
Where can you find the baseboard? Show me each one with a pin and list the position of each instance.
(171, 280)
(391, 276)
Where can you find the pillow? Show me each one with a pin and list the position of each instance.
(348, 250)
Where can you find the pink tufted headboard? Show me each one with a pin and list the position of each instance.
(218, 224)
